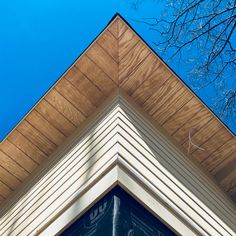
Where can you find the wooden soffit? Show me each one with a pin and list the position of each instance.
(118, 59)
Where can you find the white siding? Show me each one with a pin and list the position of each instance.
(118, 134)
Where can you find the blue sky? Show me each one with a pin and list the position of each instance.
(40, 40)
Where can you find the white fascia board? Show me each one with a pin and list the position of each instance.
(120, 138)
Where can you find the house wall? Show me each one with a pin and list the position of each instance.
(146, 161)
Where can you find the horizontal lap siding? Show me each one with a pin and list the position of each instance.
(73, 98)
(172, 104)
(71, 164)
(141, 144)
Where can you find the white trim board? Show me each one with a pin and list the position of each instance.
(120, 138)
(116, 176)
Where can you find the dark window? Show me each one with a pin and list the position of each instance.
(117, 214)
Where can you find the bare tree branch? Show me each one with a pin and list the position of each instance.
(207, 27)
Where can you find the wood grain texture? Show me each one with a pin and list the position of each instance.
(85, 86)
(9, 179)
(229, 182)
(225, 168)
(55, 117)
(12, 167)
(185, 113)
(122, 27)
(5, 191)
(110, 44)
(126, 42)
(95, 74)
(2, 199)
(113, 28)
(46, 128)
(36, 137)
(232, 193)
(200, 137)
(18, 156)
(26, 146)
(192, 125)
(65, 107)
(117, 59)
(224, 163)
(131, 60)
(98, 55)
(162, 94)
(78, 100)
(138, 76)
(211, 145)
(151, 85)
(178, 100)
(221, 154)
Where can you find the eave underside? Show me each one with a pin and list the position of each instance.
(117, 59)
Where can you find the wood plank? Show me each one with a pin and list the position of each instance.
(225, 167)
(37, 138)
(110, 44)
(211, 145)
(113, 28)
(85, 86)
(198, 138)
(183, 115)
(18, 156)
(118, 55)
(4, 190)
(162, 95)
(95, 74)
(137, 77)
(97, 54)
(26, 146)
(132, 60)
(1, 198)
(11, 166)
(151, 85)
(122, 27)
(7, 178)
(230, 181)
(55, 117)
(176, 101)
(69, 91)
(126, 42)
(65, 107)
(192, 125)
(46, 128)
(232, 193)
(216, 158)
